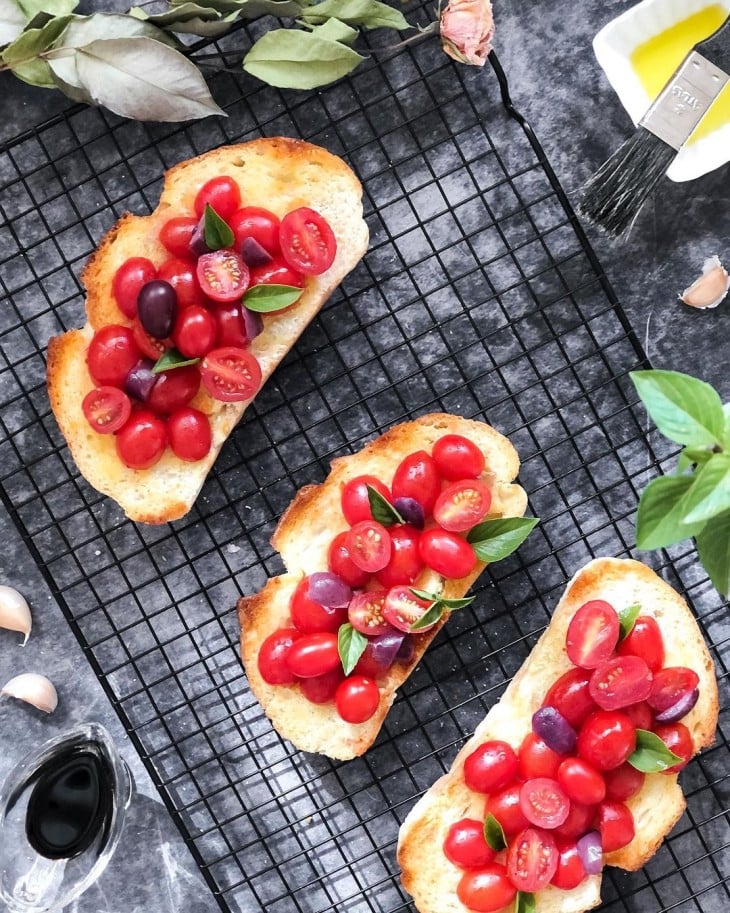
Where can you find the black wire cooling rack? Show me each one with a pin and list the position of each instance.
(479, 295)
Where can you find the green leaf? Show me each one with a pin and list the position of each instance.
(651, 755)
(170, 359)
(218, 233)
(627, 618)
(693, 456)
(493, 833)
(381, 508)
(658, 519)
(525, 902)
(726, 429)
(351, 646)
(267, 298)
(189, 18)
(334, 30)
(368, 14)
(709, 494)
(82, 30)
(495, 539)
(451, 604)
(31, 8)
(430, 617)
(249, 9)
(713, 545)
(19, 55)
(685, 409)
(292, 59)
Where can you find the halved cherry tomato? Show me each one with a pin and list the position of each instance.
(222, 193)
(570, 695)
(174, 389)
(579, 821)
(532, 860)
(570, 872)
(616, 824)
(623, 782)
(405, 562)
(368, 543)
(581, 782)
(417, 477)
(491, 766)
(678, 739)
(230, 375)
(272, 657)
(457, 457)
(462, 505)
(606, 739)
(106, 409)
(537, 759)
(644, 640)
(506, 808)
(142, 441)
(669, 685)
(195, 331)
(148, 345)
(466, 846)
(354, 498)
(366, 613)
(111, 355)
(310, 616)
(357, 699)
(276, 273)
(620, 681)
(175, 236)
(257, 223)
(189, 434)
(128, 280)
(446, 553)
(182, 277)
(321, 689)
(222, 274)
(230, 328)
(544, 803)
(592, 634)
(486, 889)
(340, 563)
(313, 654)
(308, 244)
(402, 609)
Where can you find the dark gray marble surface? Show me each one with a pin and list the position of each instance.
(556, 82)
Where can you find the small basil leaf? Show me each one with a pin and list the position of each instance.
(710, 491)
(651, 755)
(351, 646)
(493, 833)
(424, 594)
(525, 902)
(658, 519)
(433, 614)
(627, 618)
(267, 298)
(713, 545)
(172, 359)
(218, 233)
(693, 456)
(495, 539)
(685, 409)
(381, 509)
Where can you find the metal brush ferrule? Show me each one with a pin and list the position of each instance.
(684, 100)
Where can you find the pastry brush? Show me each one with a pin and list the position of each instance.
(617, 191)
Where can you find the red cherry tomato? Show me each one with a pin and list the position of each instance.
(581, 782)
(357, 699)
(532, 860)
(354, 498)
(405, 562)
(189, 433)
(272, 657)
(544, 803)
(466, 846)
(368, 543)
(641, 715)
(230, 328)
(446, 553)
(570, 695)
(623, 782)
(230, 375)
(222, 274)
(308, 244)
(457, 457)
(506, 808)
(669, 685)
(321, 689)
(644, 640)
(402, 609)
(620, 681)
(486, 889)
(366, 613)
(182, 277)
(148, 345)
(491, 767)
(417, 477)
(678, 739)
(313, 654)
(111, 355)
(195, 331)
(174, 389)
(257, 223)
(310, 616)
(276, 273)
(537, 759)
(175, 236)
(142, 441)
(579, 822)
(570, 872)
(592, 634)
(106, 409)
(606, 739)
(222, 193)
(340, 563)
(616, 824)
(128, 280)
(462, 505)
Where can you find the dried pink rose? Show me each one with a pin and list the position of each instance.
(467, 29)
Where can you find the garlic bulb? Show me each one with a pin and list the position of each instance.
(34, 689)
(14, 612)
(711, 288)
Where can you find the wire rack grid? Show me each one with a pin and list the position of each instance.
(479, 295)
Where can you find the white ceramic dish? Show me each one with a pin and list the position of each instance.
(613, 47)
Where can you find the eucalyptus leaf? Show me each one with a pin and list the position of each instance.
(218, 233)
(267, 298)
(693, 456)
(494, 834)
(22, 55)
(334, 30)
(189, 19)
(351, 646)
(368, 14)
(495, 539)
(381, 509)
(658, 518)
(627, 618)
(709, 494)
(651, 755)
(713, 545)
(249, 9)
(82, 30)
(170, 359)
(31, 8)
(62, 64)
(292, 59)
(685, 409)
(525, 902)
(12, 21)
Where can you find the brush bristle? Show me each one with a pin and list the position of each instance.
(617, 191)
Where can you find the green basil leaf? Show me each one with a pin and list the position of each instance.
(726, 429)
(495, 539)
(525, 902)
(218, 233)
(651, 755)
(658, 519)
(693, 456)
(334, 30)
(170, 359)
(367, 14)
(381, 509)
(493, 833)
(432, 615)
(351, 646)
(450, 604)
(713, 545)
(709, 494)
(293, 59)
(267, 298)
(626, 618)
(685, 409)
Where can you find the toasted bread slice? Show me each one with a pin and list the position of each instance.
(426, 872)
(279, 174)
(303, 537)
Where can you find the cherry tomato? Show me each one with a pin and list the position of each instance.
(354, 498)
(678, 739)
(182, 277)
(222, 274)
(230, 328)
(368, 543)
(175, 236)
(641, 715)
(462, 505)
(195, 331)
(669, 685)
(644, 640)
(128, 280)
(308, 244)
(490, 767)
(321, 689)
(313, 654)
(340, 563)
(402, 609)
(623, 782)
(272, 657)
(174, 389)
(276, 273)
(142, 441)
(310, 616)
(579, 821)
(366, 613)
(606, 739)
(417, 477)
(257, 223)
(616, 824)
(537, 759)
(405, 562)
(111, 355)
(466, 846)
(543, 802)
(357, 699)
(230, 375)
(106, 409)
(592, 634)
(532, 860)
(457, 458)
(486, 889)
(570, 695)
(581, 782)
(148, 345)
(570, 872)
(620, 681)
(446, 553)
(189, 433)
(506, 808)
(222, 193)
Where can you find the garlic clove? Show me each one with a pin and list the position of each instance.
(34, 689)
(14, 612)
(711, 288)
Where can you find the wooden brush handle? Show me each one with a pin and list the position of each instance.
(716, 48)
